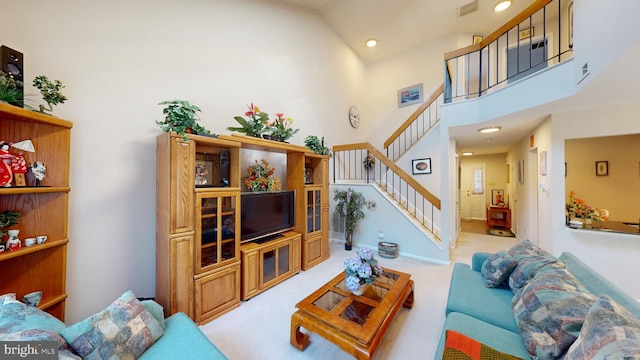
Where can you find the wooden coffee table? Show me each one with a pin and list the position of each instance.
(356, 324)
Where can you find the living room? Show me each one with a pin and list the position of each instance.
(118, 60)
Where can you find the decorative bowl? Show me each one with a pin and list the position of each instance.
(33, 298)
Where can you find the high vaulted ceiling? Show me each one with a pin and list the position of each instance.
(399, 25)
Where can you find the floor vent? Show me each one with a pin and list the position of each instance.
(468, 8)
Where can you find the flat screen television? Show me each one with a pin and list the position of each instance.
(263, 214)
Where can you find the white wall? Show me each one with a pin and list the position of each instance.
(119, 59)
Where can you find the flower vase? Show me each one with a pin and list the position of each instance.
(348, 240)
(360, 290)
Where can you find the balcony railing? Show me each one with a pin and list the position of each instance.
(538, 37)
(416, 126)
(417, 202)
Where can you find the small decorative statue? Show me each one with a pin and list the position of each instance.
(39, 172)
(6, 158)
(14, 242)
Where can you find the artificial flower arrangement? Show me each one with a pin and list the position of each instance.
(281, 129)
(369, 161)
(259, 177)
(255, 126)
(349, 205)
(361, 269)
(578, 208)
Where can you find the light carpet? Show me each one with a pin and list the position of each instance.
(260, 327)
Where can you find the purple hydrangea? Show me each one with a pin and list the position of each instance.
(352, 282)
(352, 264)
(364, 271)
(365, 253)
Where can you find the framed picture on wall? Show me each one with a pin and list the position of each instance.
(602, 168)
(421, 166)
(410, 95)
(204, 173)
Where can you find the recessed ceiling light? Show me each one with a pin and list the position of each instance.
(467, 153)
(490, 129)
(372, 42)
(502, 5)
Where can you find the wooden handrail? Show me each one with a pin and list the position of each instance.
(415, 115)
(393, 167)
(526, 13)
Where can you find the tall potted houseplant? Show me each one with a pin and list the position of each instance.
(182, 117)
(349, 205)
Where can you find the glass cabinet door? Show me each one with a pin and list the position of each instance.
(313, 210)
(216, 229)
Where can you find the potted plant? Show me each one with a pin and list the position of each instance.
(349, 206)
(8, 218)
(316, 145)
(360, 270)
(50, 92)
(181, 117)
(10, 89)
(259, 177)
(281, 129)
(255, 126)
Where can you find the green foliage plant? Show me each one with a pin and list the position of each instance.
(8, 218)
(316, 145)
(349, 205)
(10, 89)
(181, 117)
(50, 92)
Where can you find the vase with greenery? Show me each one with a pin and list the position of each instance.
(50, 92)
(259, 177)
(10, 89)
(316, 145)
(8, 218)
(280, 129)
(349, 205)
(181, 117)
(255, 126)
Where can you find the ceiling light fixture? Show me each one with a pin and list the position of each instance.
(467, 153)
(490, 129)
(502, 5)
(372, 42)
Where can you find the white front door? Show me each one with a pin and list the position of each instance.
(472, 191)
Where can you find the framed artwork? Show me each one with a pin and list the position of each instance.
(477, 39)
(204, 173)
(410, 95)
(526, 33)
(543, 163)
(571, 25)
(421, 166)
(521, 171)
(602, 168)
(497, 197)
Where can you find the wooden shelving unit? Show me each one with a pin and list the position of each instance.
(45, 209)
(199, 268)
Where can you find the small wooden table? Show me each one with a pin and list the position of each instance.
(498, 216)
(356, 324)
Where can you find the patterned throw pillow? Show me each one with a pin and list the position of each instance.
(526, 247)
(550, 310)
(123, 330)
(609, 332)
(497, 268)
(528, 266)
(16, 316)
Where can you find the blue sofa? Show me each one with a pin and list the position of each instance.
(485, 314)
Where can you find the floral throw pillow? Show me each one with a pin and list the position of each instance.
(123, 330)
(497, 268)
(609, 332)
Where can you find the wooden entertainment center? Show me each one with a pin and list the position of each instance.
(202, 269)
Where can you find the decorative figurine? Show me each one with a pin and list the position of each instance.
(14, 242)
(39, 172)
(6, 174)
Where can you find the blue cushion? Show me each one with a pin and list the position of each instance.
(16, 316)
(182, 336)
(497, 268)
(465, 290)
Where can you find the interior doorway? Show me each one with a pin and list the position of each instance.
(472, 191)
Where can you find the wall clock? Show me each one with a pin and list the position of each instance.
(354, 116)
